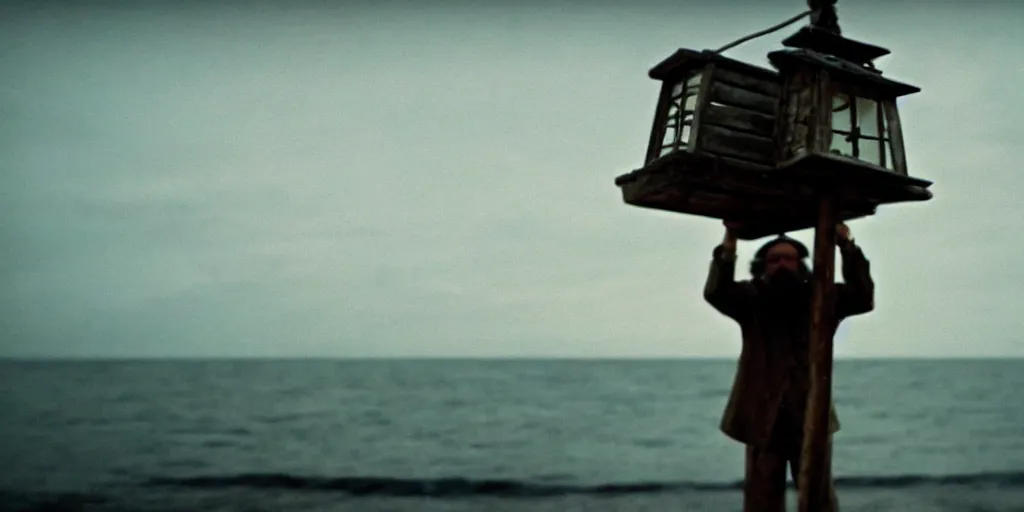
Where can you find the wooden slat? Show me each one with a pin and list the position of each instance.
(702, 103)
(739, 119)
(748, 82)
(734, 144)
(734, 96)
(821, 134)
(745, 164)
(796, 109)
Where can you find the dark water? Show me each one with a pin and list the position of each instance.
(481, 435)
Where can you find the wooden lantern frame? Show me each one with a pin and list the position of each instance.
(716, 107)
(811, 123)
(738, 142)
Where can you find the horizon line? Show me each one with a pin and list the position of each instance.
(508, 358)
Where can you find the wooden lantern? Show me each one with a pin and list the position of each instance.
(837, 120)
(712, 147)
(738, 142)
(715, 107)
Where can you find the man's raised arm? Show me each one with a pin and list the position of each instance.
(721, 289)
(856, 295)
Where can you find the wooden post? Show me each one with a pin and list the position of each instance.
(815, 470)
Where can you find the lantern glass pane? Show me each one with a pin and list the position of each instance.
(691, 102)
(890, 160)
(841, 104)
(673, 112)
(668, 142)
(868, 116)
(679, 116)
(869, 151)
(859, 130)
(693, 82)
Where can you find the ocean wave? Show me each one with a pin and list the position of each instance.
(27, 501)
(457, 487)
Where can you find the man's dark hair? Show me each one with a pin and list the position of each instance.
(757, 265)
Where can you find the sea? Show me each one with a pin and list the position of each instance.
(489, 435)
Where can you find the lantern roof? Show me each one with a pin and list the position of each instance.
(831, 43)
(841, 69)
(689, 59)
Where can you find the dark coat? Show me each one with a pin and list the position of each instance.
(773, 372)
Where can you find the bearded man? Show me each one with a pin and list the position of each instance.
(766, 408)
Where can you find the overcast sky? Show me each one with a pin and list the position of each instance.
(439, 180)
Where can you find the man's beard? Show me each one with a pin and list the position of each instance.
(787, 288)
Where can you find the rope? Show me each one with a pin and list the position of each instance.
(766, 31)
(823, 16)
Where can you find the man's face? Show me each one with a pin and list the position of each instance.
(782, 255)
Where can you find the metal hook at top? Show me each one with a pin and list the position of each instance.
(823, 15)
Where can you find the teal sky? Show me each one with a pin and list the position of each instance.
(335, 179)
